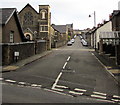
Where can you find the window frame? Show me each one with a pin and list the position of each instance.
(11, 37)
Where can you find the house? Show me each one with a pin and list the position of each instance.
(10, 25)
(63, 29)
(59, 37)
(115, 18)
(36, 25)
(105, 38)
(70, 30)
(77, 32)
(105, 27)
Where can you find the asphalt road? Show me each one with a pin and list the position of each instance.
(69, 74)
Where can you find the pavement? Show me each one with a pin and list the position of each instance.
(19, 64)
(109, 64)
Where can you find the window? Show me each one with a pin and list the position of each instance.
(43, 28)
(28, 18)
(11, 36)
(43, 15)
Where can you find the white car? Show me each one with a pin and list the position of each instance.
(69, 43)
(72, 40)
(75, 36)
(84, 42)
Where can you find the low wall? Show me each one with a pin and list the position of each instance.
(40, 47)
(25, 50)
(118, 54)
(58, 44)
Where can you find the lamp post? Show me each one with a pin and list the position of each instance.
(94, 26)
(94, 18)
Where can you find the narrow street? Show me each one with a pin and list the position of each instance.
(70, 74)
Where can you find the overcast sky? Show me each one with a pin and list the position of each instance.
(70, 11)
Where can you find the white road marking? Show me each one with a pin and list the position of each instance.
(1, 79)
(97, 96)
(83, 90)
(22, 83)
(10, 81)
(75, 93)
(61, 86)
(105, 100)
(39, 85)
(68, 59)
(56, 81)
(34, 85)
(115, 96)
(64, 65)
(100, 93)
(117, 100)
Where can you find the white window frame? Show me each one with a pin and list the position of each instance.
(11, 36)
(42, 28)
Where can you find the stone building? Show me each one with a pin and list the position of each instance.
(36, 26)
(70, 30)
(115, 18)
(10, 26)
(63, 29)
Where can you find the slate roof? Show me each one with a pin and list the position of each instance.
(61, 28)
(70, 25)
(6, 14)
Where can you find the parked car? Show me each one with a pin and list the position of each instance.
(75, 36)
(84, 42)
(69, 43)
(81, 37)
(72, 40)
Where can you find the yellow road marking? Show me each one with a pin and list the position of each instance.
(108, 67)
(11, 67)
(115, 71)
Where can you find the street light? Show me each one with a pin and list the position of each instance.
(94, 26)
(94, 18)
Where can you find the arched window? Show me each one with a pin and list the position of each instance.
(28, 18)
(43, 14)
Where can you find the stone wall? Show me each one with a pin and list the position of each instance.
(26, 49)
(58, 44)
(40, 46)
(118, 54)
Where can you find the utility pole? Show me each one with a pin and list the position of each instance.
(94, 27)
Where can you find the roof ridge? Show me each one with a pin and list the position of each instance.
(29, 6)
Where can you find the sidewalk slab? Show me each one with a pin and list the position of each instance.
(24, 62)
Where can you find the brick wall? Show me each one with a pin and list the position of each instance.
(26, 49)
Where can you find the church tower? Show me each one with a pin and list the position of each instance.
(44, 24)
